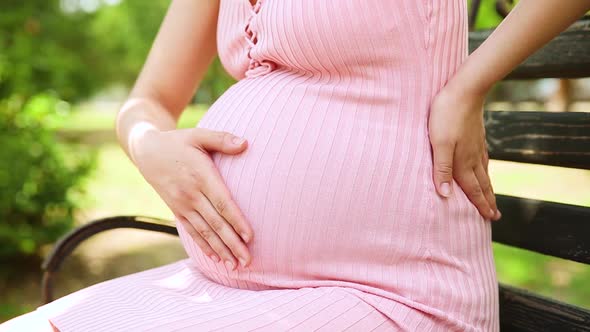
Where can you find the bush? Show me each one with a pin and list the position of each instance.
(39, 177)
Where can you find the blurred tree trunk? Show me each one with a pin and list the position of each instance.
(561, 100)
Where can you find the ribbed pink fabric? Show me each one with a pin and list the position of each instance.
(333, 97)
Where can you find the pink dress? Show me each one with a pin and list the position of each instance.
(349, 232)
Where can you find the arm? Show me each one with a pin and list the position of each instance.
(459, 151)
(176, 162)
(180, 55)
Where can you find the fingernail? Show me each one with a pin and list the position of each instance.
(230, 265)
(214, 257)
(492, 213)
(445, 189)
(245, 237)
(242, 262)
(498, 214)
(237, 140)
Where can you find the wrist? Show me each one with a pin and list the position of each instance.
(458, 96)
(466, 89)
(138, 121)
(141, 138)
(475, 76)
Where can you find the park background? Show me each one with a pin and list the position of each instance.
(66, 66)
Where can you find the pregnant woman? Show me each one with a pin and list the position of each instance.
(358, 198)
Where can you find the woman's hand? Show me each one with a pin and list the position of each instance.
(456, 126)
(457, 136)
(178, 166)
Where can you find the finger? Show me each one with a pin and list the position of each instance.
(215, 190)
(468, 181)
(443, 167)
(486, 186)
(486, 157)
(209, 235)
(213, 140)
(223, 229)
(205, 247)
(486, 161)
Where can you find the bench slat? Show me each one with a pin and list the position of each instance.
(566, 56)
(558, 139)
(555, 229)
(521, 310)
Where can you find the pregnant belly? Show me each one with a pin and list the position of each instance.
(330, 183)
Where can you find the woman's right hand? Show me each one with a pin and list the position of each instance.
(176, 163)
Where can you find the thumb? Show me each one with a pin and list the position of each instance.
(213, 140)
(443, 167)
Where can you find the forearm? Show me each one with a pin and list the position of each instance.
(530, 25)
(178, 60)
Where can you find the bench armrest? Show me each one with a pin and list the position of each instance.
(72, 240)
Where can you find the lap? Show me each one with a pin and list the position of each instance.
(176, 297)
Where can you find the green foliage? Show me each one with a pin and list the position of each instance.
(487, 17)
(77, 53)
(42, 48)
(124, 34)
(214, 84)
(39, 177)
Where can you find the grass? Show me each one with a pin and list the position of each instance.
(545, 275)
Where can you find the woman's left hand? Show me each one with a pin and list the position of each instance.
(457, 135)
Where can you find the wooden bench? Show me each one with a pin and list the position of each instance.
(560, 230)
